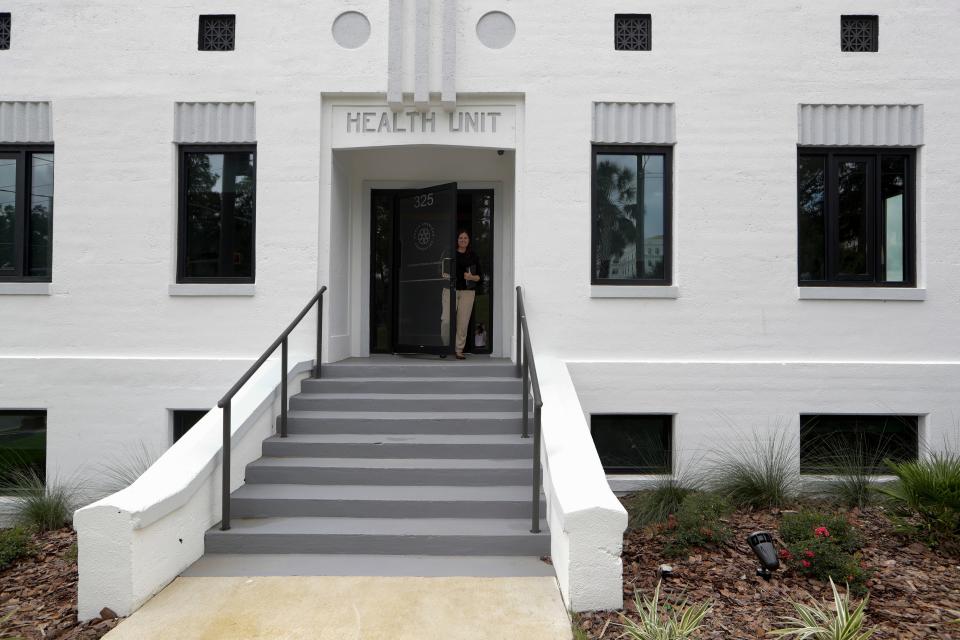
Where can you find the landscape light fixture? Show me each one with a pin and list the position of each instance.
(761, 543)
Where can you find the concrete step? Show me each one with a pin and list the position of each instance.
(372, 536)
(406, 471)
(372, 501)
(302, 564)
(391, 367)
(405, 402)
(408, 422)
(390, 445)
(412, 385)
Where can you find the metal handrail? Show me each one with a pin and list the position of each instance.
(527, 371)
(227, 399)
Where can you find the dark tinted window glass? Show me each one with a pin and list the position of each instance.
(380, 276)
(812, 227)
(5, 30)
(831, 441)
(630, 217)
(852, 205)
(8, 215)
(183, 420)
(475, 214)
(633, 443)
(41, 212)
(219, 219)
(23, 446)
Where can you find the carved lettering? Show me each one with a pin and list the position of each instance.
(393, 121)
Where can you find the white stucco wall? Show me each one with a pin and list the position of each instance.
(109, 350)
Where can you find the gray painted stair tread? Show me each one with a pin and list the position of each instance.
(400, 361)
(472, 527)
(374, 379)
(393, 463)
(408, 396)
(303, 564)
(402, 438)
(381, 492)
(405, 415)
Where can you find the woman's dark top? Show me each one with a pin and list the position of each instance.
(465, 261)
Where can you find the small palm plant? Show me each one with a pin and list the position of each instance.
(816, 623)
(681, 622)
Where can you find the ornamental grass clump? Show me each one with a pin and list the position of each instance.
(852, 469)
(760, 473)
(929, 491)
(650, 506)
(676, 622)
(818, 623)
(43, 505)
(823, 547)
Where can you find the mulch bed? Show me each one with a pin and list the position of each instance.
(912, 590)
(39, 593)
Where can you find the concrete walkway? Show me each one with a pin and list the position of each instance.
(351, 608)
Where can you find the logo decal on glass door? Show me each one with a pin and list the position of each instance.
(424, 236)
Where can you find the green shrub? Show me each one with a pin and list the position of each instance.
(819, 623)
(823, 546)
(797, 527)
(678, 622)
(699, 522)
(761, 472)
(14, 543)
(929, 489)
(41, 505)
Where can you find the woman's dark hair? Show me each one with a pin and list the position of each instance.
(464, 231)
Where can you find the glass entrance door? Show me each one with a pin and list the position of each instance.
(425, 306)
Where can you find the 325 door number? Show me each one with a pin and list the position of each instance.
(425, 200)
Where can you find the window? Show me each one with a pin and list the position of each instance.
(23, 446)
(829, 442)
(5, 29)
(217, 214)
(183, 421)
(856, 217)
(859, 33)
(631, 215)
(632, 32)
(26, 212)
(217, 33)
(633, 443)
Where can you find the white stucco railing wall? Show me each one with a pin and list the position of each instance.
(586, 520)
(134, 542)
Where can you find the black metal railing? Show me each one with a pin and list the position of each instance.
(227, 399)
(527, 372)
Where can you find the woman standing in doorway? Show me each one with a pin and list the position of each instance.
(468, 275)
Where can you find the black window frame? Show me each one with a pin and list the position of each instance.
(875, 42)
(24, 153)
(875, 229)
(9, 489)
(182, 152)
(648, 471)
(637, 150)
(202, 23)
(808, 461)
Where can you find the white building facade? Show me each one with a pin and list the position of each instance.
(752, 312)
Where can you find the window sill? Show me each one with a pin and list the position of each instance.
(24, 288)
(861, 293)
(634, 291)
(627, 482)
(212, 290)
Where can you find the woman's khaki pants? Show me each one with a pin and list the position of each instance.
(465, 300)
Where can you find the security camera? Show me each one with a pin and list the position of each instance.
(499, 152)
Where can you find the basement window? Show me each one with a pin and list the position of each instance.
(833, 443)
(217, 33)
(23, 448)
(633, 443)
(26, 212)
(183, 421)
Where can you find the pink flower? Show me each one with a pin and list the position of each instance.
(785, 554)
(808, 553)
(821, 532)
(805, 563)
